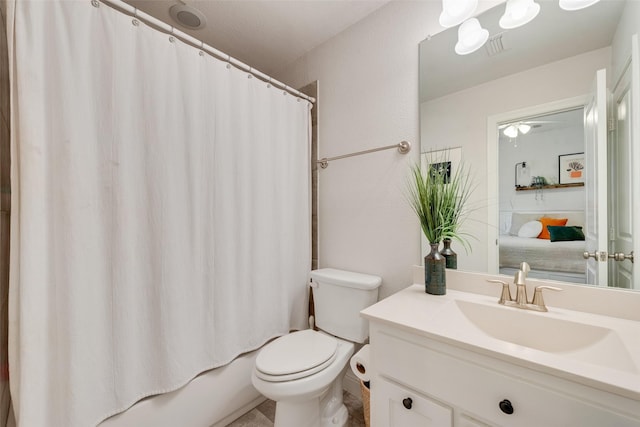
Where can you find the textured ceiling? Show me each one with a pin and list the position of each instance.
(267, 34)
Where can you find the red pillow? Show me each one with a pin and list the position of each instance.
(544, 234)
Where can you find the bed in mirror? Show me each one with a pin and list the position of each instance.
(523, 110)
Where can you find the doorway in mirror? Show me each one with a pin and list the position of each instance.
(541, 217)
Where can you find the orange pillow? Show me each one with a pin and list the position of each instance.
(544, 234)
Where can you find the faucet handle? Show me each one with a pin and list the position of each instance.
(506, 293)
(538, 301)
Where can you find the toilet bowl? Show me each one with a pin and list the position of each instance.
(303, 373)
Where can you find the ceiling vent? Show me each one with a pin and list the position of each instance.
(495, 44)
(187, 16)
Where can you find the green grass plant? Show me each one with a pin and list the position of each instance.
(440, 203)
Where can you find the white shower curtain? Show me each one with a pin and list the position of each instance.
(160, 222)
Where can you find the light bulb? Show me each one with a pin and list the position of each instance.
(518, 13)
(453, 7)
(572, 5)
(471, 37)
(524, 128)
(456, 11)
(511, 131)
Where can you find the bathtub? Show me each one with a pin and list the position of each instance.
(214, 398)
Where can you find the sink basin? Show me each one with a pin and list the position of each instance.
(545, 332)
(589, 335)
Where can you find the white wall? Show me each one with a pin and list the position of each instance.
(540, 150)
(621, 46)
(460, 119)
(369, 98)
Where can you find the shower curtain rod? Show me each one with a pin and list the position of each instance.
(169, 29)
(403, 148)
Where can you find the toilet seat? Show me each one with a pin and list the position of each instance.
(296, 355)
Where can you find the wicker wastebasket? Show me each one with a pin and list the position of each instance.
(366, 397)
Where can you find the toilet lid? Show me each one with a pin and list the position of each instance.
(296, 355)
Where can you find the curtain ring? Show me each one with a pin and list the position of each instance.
(249, 75)
(201, 48)
(135, 21)
(269, 82)
(95, 3)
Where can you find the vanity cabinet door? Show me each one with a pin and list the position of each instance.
(396, 406)
(498, 393)
(466, 421)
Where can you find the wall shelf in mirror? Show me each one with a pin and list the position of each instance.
(550, 186)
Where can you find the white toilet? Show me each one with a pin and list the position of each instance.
(303, 371)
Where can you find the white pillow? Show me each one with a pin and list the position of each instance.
(530, 229)
(519, 219)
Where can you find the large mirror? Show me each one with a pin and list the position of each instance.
(526, 111)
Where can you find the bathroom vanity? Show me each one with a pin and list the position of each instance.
(464, 360)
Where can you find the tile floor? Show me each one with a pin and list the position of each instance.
(264, 414)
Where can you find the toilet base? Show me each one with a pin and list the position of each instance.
(307, 414)
(334, 413)
(327, 410)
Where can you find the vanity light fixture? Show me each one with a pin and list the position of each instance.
(572, 5)
(518, 13)
(456, 11)
(471, 37)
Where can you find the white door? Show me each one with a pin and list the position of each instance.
(635, 151)
(595, 133)
(621, 184)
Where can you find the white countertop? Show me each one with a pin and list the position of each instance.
(414, 311)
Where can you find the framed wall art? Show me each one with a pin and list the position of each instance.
(571, 168)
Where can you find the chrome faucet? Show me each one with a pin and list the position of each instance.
(520, 279)
(521, 300)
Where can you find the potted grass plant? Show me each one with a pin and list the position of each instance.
(439, 196)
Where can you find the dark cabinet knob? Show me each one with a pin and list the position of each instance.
(506, 407)
(407, 402)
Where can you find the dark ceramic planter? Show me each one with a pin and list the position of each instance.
(450, 256)
(435, 279)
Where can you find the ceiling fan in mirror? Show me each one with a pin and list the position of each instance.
(471, 35)
(521, 127)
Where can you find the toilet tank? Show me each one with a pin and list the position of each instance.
(338, 298)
